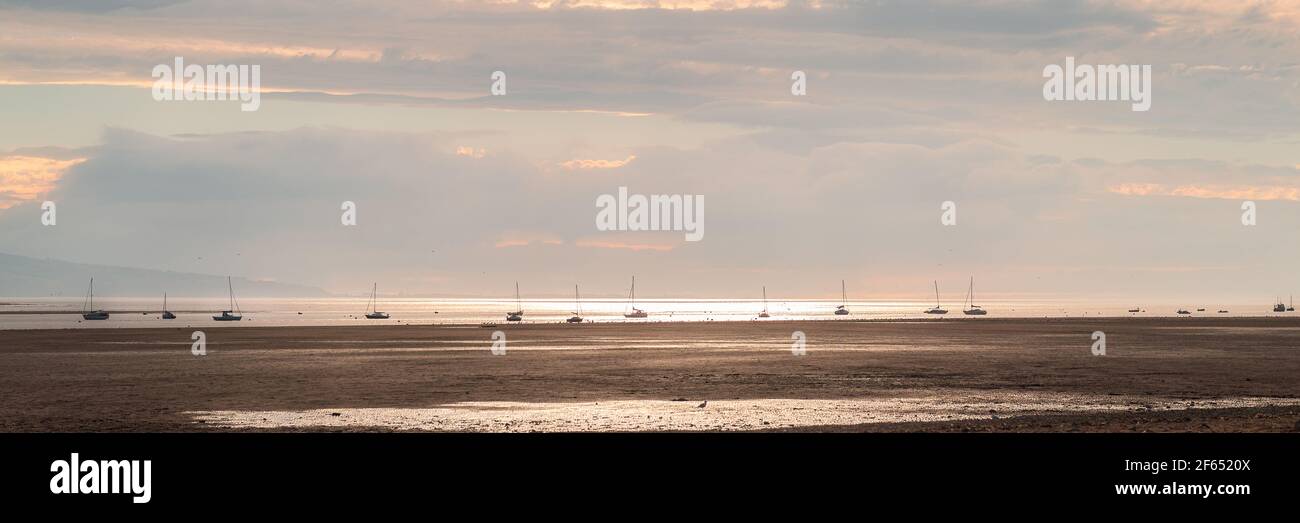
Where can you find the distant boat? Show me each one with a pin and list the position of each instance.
(974, 310)
(1135, 309)
(842, 310)
(373, 305)
(936, 309)
(1183, 311)
(636, 313)
(1280, 307)
(88, 310)
(764, 314)
(1202, 309)
(518, 315)
(1291, 308)
(233, 313)
(577, 304)
(167, 315)
(1222, 311)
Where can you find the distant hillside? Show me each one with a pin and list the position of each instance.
(21, 277)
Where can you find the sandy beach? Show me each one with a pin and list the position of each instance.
(987, 374)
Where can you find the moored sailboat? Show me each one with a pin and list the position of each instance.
(373, 305)
(973, 310)
(518, 314)
(936, 309)
(843, 309)
(88, 310)
(631, 301)
(167, 315)
(764, 314)
(233, 314)
(577, 304)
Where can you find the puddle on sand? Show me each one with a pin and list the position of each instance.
(721, 415)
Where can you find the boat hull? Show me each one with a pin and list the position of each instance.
(97, 315)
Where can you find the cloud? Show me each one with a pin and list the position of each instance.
(1291, 193)
(583, 164)
(471, 152)
(431, 221)
(910, 104)
(24, 178)
(871, 64)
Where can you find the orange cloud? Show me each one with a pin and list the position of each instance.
(471, 152)
(1225, 192)
(525, 239)
(24, 178)
(622, 245)
(581, 164)
(691, 5)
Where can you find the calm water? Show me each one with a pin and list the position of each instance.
(349, 311)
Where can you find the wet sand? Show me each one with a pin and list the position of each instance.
(985, 374)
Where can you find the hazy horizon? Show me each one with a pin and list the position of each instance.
(460, 192)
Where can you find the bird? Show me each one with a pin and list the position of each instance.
(700, 406)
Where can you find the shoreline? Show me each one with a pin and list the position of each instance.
(397, 322)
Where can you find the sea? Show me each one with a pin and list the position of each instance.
(63, 313)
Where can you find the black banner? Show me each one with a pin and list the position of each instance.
(322, 472)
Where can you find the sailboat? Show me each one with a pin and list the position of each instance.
(764, 314)
(88, 310)
(974, 310)
(577, 302)
(1184, 311)
(518, 315)
(1135, 309)
(1291, 308)
(936, 309)
(842, 310)
(1279, 306)
(233, 313)
(373, 306)
(636, 313)
(167, 315)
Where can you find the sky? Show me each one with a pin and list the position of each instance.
(460, 192)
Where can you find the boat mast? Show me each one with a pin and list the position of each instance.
(577, 302)
(844, 296)
(764, 298)
(936, 294)
(233, 305)
(519, 304)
